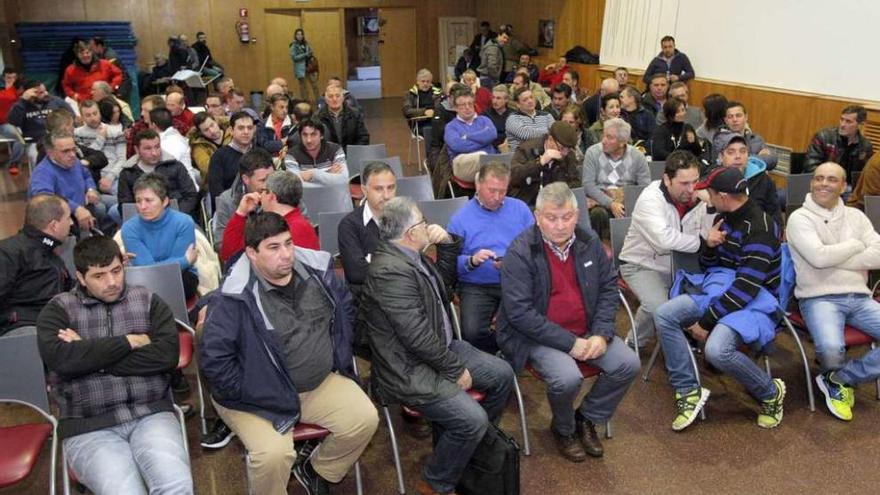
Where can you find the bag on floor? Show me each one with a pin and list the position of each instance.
(494, 467)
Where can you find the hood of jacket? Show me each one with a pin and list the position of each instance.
(755, 167)
(135, 159)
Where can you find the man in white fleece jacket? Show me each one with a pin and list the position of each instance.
(833, 247)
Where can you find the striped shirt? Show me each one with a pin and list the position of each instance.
(520, 127)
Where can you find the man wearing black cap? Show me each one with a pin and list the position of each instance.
(733, 151)
(734, 304)
(544, 160)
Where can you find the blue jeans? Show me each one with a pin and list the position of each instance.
(462, 421)
(145, 455)
(722, 350)
(478, 304)
(560, 372)
(825, 317)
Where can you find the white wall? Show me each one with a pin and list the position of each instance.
(817, 46)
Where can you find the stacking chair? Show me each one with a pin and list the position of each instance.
(439, 211)
(328, 230)
(587, 371)
(583, 211)
(416, 137)
(418, 187)
(24, 383)
(872, 210)
(630, 195)
(357, 154)
(619, 227)
(796, 188)
(392, 161)
(326, 199)
(207, 211)
(657, 169)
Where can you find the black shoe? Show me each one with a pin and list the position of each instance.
(219, 436)
(310, 480)
(569, 447)
(586, 432)
(178, 383)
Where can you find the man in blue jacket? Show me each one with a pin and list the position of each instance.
(277, 350)
(675, 64)
(557, 313)
(467, 137)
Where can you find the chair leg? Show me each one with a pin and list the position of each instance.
(182, 419)
(699, 381)
(53, 459)
(203, 424)
(357, 478)
(247, 474)
(394, 450)
(632, 326)
(874, 346)
(608, 429)
(65, 478)
(456, 322)
(767, 365)
(807, 375)
(522, 417)
(651, 362)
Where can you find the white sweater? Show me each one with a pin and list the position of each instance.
(832, 249)
(657, 230)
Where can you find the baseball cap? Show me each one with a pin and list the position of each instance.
(564, 134)
(726, 180)
(730, 137)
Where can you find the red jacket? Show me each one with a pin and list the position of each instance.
(77, 81)
(184, 121)
(552, 78)
(8, 97)
(300, 229)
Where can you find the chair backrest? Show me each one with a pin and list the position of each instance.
(418, 187)
(22, 369)
(439, 211)
(129, 210)
(392, 161)
(796, 190)
(583, 212)
(619, 228)
(163, 280)
(326, 199)
(689, 262)
(328, 230)
(66, 255)
(500, 157)
(872, 210)
(630, 195)
(356, 154)
(657, 169)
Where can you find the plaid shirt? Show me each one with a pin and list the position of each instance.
(561, 253)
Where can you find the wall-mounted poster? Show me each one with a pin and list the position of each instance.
(546, 33)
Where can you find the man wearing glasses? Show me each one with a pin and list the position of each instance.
(468, 136)
(405, 314)
(544, 160)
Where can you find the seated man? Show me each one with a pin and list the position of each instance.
(111, 349)
(276, 350)
(347, 97)
(667, 217)
(404, 312)
(553, 73)
(176, 104)
(173, 143)
(467, 137)
(736, 120)
(233, 102)
(572, 79)
(487, 224)
(655, 97)
(359, 230)
(608, 167)
(31, 273)
(223, 167)
(833, 247)
(527, 122)
(317, 161)
(742, 254)
(560, 300)
(560, 99)
(63, 174)
(734, 152)
(621, 75)
(419, 101)
(498, 113)
(254, 168)
(277, 125)
(525, 62)
(592, 106)
(521, 80)
(282, 195)
(843, 144)
(29, 113)
(147, 104)
(868, 183)
(346, 124)
(544, 160)
(151, 158)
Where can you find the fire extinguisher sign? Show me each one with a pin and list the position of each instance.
(242, 12)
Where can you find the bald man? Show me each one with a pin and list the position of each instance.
(593, 105)
(182, 116)
(833, 247)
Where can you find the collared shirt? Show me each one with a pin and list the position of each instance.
(417, 257)
(477, 199)
(368, 216)
(236, 147)
(563, 252)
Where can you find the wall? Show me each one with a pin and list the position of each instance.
(155, 20)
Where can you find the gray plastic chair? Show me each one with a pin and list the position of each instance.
(630, 195)
(439, 211)
(392, 161)
(657, 169)
(328, 230)
(796, 189)
(356, 154)
(24, 383)
(327, 199)
(872, 210)
(418, 187)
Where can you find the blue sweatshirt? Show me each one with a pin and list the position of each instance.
(71, 184)
(484, 229)
(164, 240)
(461, 137)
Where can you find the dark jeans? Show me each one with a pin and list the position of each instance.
(463, 420)
(478, 304)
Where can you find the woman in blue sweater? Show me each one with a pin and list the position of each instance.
(159, 234)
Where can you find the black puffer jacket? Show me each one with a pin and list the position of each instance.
(352, 123)
(30, 275)
(403, 322)
(829, 146)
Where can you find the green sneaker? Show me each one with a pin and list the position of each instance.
(838, 397)
(771, 410)
(689, 406)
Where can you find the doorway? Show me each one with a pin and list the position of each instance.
(364, 78)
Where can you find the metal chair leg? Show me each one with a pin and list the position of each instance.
(874, 346)
(767, 365)
(522, 416)
(608, 429)
(651, 361)
(697, 374)
(807, 375)
(394, 450)
(357, 478)
(632, 325)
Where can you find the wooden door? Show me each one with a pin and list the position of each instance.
(397, 50)
(456, 33)
(279, 34)
(324, 31)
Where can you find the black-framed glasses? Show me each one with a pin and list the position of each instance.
(423, 221)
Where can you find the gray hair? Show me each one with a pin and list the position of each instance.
(103, 86)
(501, 88)
(286, 186)
(557, 194)
(424, 73)
(398, 215)
(622, 127)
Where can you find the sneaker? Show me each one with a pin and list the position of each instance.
(838, 397)
(219, 436)
(771, 409)
(689, 407)
(310, 480)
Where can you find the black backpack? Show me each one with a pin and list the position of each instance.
(494, 467)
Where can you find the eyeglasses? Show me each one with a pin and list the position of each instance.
(423, 221)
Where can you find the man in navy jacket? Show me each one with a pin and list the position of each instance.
(675, 64)
(277, 350)
(559, 300)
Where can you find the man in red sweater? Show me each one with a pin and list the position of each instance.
(85, 70)
(281, 195)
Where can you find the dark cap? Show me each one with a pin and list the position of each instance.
(564, 134)
(731, 137)
(726, 180)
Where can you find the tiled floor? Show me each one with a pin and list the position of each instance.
(728, 453)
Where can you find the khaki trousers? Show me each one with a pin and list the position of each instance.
(466, 165)
(338, 404)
